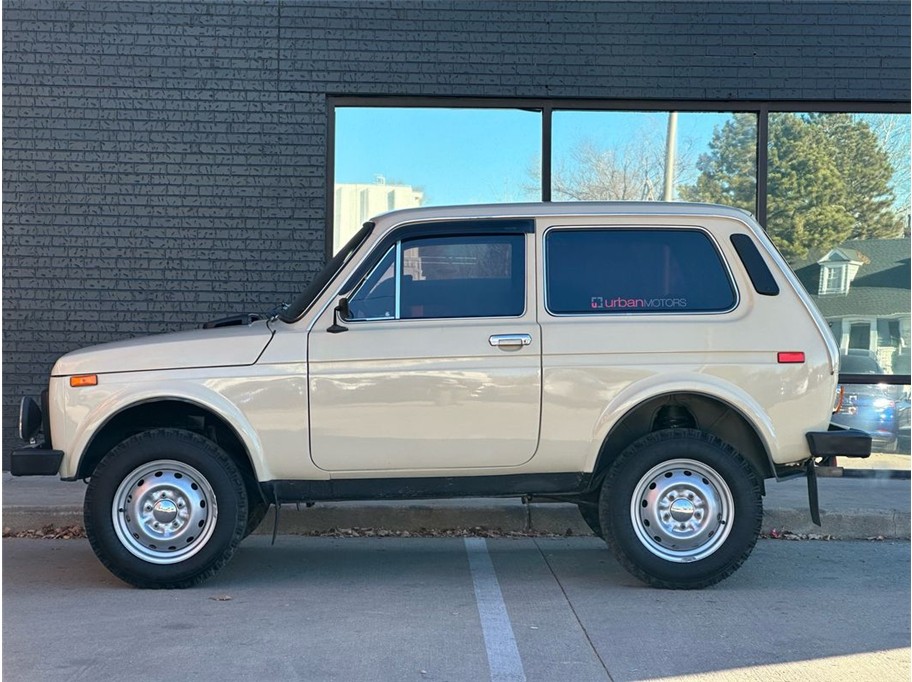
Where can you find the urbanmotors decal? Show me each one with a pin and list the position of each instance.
(622, 303)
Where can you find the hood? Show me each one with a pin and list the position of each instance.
(219, 347)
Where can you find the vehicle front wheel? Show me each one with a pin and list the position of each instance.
(165, 508)
(256, 512)
(589, 510)
(681, 509)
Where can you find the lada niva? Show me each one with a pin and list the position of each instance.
(652, 363)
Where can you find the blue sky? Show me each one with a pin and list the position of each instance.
(459, 156)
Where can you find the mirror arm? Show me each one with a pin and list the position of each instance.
(342, 307)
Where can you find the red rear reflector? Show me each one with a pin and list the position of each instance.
(791, 356)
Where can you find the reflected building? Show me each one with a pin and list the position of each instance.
(862, 289)
(354, 203)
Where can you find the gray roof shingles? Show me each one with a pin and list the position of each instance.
(881, 287)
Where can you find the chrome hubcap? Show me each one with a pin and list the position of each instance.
(164, 512)
(682, 510)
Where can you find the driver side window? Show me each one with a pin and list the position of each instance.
(375, 299)
(441, 277)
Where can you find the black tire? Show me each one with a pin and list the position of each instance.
(184, 470)
(589, 510)
(692, 549)
(256, 512)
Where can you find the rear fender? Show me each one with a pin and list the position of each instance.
(663, 385)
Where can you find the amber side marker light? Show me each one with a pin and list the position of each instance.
(789, 357)
(84, 380)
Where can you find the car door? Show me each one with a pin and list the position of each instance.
(439, 366)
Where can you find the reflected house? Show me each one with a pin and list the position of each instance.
(354, 203)
(862, 289)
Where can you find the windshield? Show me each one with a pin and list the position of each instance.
(300, 305)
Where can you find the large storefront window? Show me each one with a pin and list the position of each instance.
(388, 158)
(839, 211)
(835, 199)
(655, 156)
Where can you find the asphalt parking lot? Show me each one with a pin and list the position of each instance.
(314, 608)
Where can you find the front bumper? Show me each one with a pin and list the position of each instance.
(36, 460)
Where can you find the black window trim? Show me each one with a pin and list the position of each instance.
(647, 314)
(758, 271)
(463, 227)
(470, 227)
(306, 299)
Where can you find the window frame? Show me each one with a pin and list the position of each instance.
(726, 267)
(839, 272)
(467, 228)
(547, 106)
(395, 249)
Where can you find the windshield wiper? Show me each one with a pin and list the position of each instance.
(245, 319)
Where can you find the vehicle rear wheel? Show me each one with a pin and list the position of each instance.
(165, 508)
(681, 509)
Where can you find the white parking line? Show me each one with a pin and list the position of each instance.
(503, 656)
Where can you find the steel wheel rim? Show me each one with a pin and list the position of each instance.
(164, 512)
(682, 510)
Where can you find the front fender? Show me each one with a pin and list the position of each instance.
(700, 384)
(89, 410)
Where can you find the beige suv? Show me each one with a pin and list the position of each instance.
(652, 363)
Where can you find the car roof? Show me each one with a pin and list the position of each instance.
(561, 208)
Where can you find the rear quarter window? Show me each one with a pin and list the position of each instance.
(604, 271)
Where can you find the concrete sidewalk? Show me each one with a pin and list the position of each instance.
(851, 508)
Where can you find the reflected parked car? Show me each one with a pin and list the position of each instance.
(901, 365)
(903, 422)
(869, 407)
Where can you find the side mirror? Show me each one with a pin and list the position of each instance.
(341, 310)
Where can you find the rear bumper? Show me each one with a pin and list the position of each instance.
(839, 441)
(35, 461)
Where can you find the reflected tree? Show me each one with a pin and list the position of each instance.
(630, 172)
(829, 179)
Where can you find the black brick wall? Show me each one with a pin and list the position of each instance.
(164, 162)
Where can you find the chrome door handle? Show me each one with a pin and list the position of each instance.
(510, 340)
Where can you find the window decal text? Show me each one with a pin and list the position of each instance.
(624, 303)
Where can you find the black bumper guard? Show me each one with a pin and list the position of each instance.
(35, 460)
(837, 441)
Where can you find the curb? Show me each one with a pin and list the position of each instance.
(855, 524)
(548, 518)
